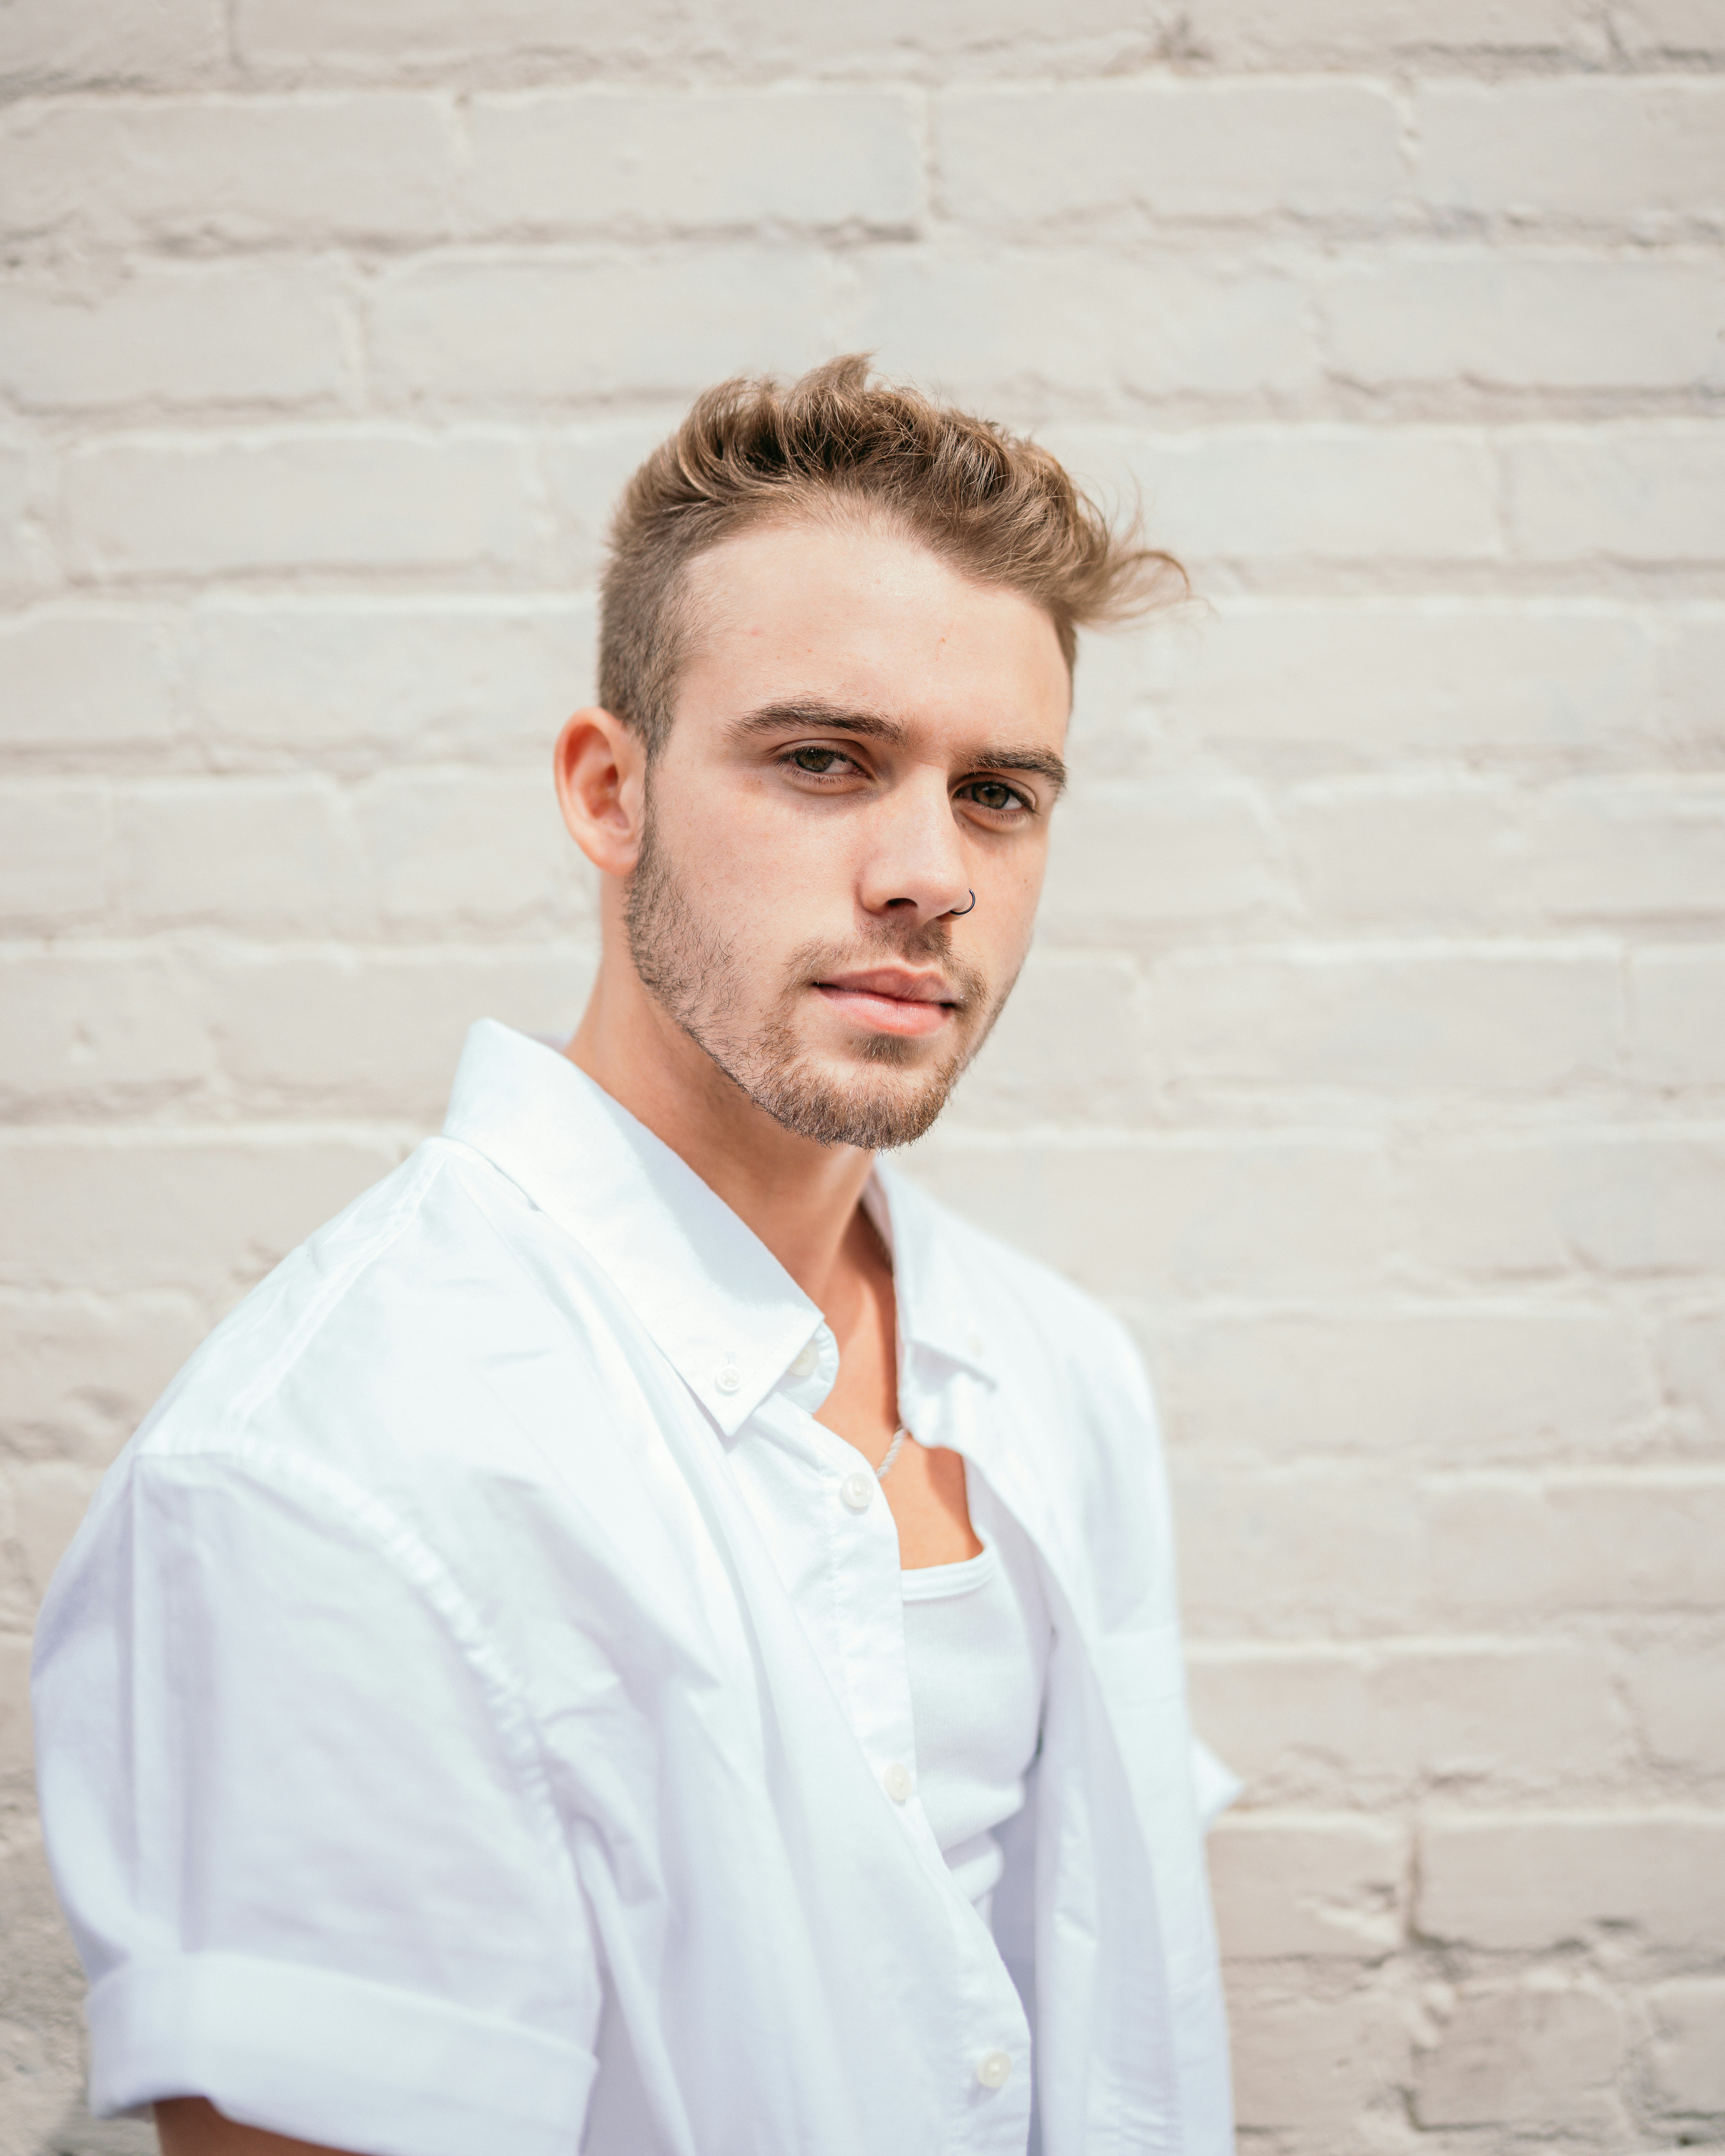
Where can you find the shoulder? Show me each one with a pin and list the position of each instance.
(359, 1340)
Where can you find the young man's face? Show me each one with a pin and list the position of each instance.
(862, 738)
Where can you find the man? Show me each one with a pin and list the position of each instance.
(645, 1634)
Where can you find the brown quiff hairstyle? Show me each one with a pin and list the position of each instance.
(756, 452)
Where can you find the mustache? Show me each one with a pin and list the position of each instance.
(931, 944)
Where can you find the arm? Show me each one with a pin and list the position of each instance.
(190, 2125)
(293, 1822)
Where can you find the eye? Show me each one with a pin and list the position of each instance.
(994, 795)
(819, 762)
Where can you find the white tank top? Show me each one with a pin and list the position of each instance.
(977, 1638)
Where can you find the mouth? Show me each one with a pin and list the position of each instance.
(891, 999)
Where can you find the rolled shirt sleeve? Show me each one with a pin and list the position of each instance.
(299, 1821)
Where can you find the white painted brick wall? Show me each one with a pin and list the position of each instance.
(1371, 1061)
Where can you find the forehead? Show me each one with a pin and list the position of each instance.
(862, 615)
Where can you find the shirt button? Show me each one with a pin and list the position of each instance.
(803, 1367)
(898, 1785)
(729, 1377)
(858, 1491)
(993, 2068)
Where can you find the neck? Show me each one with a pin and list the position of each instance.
(800, 1197)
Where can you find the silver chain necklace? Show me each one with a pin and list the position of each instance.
(899, 1437)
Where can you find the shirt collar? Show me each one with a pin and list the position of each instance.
(724, 1311)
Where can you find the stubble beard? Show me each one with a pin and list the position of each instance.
(695, 972)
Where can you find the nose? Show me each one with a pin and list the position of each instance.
(915, 865)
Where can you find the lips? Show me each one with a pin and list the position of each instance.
(890, 1000)
(896, 982)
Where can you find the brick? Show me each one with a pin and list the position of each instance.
(42, 2079)
(1097, 37)
(1677, 1015)
(477, 329)
(1367, 851)
(1509, 1548)
(372, 37)
(1362, 33)
(1279, 1552)
(1141, 858)
(1479, 1385)
(155, 506)
(379, 1033)
(586, 468)
(1016, 329)
(1545, 2053)
(552, 162)
(1626, 1202)
(1501, 1712)
(273, 337)
(1070, 1045)
(344, 683)
(1315, 2061)
(20, 562)
(16, 1750)
(1547, 321)
(1308, 493)
(1529, 1883)
(1676, 1694)
(79, 678)
(41, 1504)
(1675, 29)
(1016, 36)
(1223, 1216)
(269, 855)
(1688, 2053)
(1411, 1020)
(44, 1982)
(44, 45)
(464, 850)
(55, 866)
(1399, 682)
(1167, 151)
(1294, 1884)
(1654, 493)
(1620, 852)
(186, 1211)
(1692, 680)
(1560, 149)
(1689, 1351)
(234, 171)
(81, 1371)
(93, 1032)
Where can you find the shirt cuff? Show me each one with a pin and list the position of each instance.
(331, 2059)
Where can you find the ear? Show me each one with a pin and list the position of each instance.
(601, 771)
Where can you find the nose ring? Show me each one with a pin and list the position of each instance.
(958, 912)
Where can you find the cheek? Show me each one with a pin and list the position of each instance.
(770, 879)
(1019, 888)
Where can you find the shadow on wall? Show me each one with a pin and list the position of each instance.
(78, 2134)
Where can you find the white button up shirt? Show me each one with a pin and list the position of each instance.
(468, 1719)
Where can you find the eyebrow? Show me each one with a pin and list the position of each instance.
(875, 725)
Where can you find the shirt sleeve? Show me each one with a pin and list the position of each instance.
(298, 1820)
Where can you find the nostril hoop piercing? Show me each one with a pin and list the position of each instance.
(958, 912)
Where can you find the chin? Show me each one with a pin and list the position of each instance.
(876, 1098)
